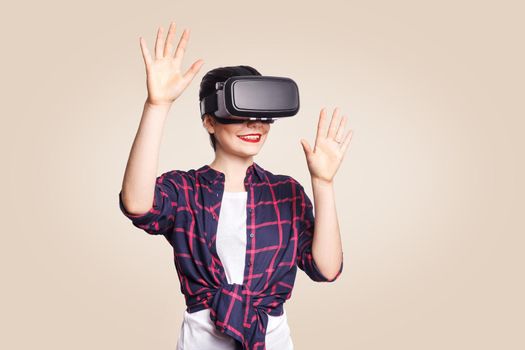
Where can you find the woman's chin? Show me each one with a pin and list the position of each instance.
(247, 152)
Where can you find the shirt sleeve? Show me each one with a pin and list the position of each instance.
(305, 224)
(160, 218)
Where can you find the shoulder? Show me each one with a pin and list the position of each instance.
(174, 177)
(287, 185)
(279, 179)
(290, 181)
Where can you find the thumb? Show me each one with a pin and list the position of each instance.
(306, 147)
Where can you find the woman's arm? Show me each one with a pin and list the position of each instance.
(323, 162)
(141, 170)
(165, 83)
(327, 250)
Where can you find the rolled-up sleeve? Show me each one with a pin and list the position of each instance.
(160, 218)
(305, 223)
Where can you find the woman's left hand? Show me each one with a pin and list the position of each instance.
(329, 149)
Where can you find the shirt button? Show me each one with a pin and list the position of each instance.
(251, 234)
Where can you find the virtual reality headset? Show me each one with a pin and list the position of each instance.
(252, 97)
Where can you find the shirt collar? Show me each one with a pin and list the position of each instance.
(213, 175)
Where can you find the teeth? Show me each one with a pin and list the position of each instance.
(250, 137)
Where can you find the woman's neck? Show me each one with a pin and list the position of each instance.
(234, 171)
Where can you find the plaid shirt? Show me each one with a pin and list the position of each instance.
(280, 226)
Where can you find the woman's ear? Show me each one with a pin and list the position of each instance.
(209, 123)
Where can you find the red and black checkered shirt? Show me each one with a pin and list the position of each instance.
(279, 228)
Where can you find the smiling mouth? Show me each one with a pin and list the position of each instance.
(254, 138)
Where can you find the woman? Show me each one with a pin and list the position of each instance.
(238, 231)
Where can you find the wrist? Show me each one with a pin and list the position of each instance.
(322, 182)
(158, 110)
(155, 111)
(156, 105)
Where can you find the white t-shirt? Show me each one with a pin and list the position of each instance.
(198, 331)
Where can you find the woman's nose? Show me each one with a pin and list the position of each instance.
(255, 122)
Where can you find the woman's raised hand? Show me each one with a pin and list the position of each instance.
(330, 146)
(165, 81)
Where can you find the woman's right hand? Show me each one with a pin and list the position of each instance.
(164, 79)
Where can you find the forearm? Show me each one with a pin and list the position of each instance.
(138, 185)
(326, 245)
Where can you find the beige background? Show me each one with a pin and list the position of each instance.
(430, 194)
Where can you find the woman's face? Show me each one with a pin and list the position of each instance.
(243, 139)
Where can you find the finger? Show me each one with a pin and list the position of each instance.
(306, 147)
(145, 53)
(169, 38)
(181, 47)
(332, 129)
(346, 142)
(194, 69)
(158, 44)
(341, 129)
(320, 127)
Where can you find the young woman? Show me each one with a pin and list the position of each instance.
(238, 231)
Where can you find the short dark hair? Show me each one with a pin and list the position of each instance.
(220, 74)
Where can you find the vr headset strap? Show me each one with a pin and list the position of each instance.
(209, 104)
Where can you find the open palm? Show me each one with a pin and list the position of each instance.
(165, 80)
(330, 147)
